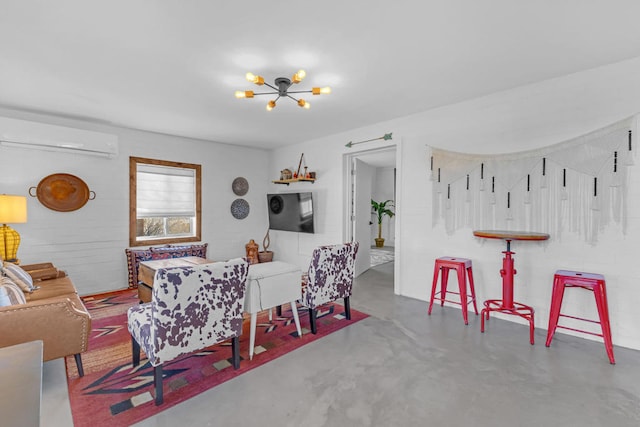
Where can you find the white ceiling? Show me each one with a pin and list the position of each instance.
(173, 66)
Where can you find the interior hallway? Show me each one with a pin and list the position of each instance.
(400, 367)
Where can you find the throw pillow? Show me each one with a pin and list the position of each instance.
(10, 293)
(19, 277)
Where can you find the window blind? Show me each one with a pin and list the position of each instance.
(164, 191)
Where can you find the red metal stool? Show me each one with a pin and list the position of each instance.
(592, 282)
(461, 265)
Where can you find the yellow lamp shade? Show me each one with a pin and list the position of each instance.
(13, 209)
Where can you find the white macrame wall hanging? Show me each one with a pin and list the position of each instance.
(579, 185)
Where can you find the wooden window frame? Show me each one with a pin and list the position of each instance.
(133, 170)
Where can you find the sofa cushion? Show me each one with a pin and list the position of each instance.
(53, 288)
(18, 276)
(10, 293)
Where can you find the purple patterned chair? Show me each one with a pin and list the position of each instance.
(330, 278)
(191, 308)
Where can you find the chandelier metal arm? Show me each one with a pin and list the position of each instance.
(299, 91)
(272, 87)
(265, 93)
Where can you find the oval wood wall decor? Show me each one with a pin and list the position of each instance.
(62, 192)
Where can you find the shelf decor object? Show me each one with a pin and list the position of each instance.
(281, 88)
(13, 210)
(287, 177)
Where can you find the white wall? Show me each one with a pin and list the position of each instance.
(89, 243)
(523, 118)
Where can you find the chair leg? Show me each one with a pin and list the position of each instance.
(603, 312)
(135, 351)
(434, 284)
(557, 294)
(79, 364)
(347, 308)
(472, 288)
(157, 381)
(444, 281)
(462, 287)
(312, 320)
(235, 350)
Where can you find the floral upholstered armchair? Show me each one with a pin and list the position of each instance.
(191, 308)
(330, 278)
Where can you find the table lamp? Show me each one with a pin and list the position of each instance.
(13, 210)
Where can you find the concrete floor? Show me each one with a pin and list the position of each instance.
(400, 367)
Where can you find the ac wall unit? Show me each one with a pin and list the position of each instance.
(41, 136)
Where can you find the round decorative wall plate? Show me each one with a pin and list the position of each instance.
(63, 192)
(240, 208)
(240, 186)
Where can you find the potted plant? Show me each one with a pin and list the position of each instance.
(381, 209)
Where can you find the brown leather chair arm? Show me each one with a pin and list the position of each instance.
(63, 324)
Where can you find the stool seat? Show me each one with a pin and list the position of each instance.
(464, 269)
(593, 282)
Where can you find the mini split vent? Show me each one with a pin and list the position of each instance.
(39, 136)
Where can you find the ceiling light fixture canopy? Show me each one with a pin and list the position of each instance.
(281, 88)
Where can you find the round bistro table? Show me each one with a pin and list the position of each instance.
(507, 304)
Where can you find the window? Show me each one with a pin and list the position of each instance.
(165, 202)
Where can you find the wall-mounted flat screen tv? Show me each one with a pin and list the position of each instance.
(291, 212)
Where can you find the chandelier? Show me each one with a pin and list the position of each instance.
(281, 88)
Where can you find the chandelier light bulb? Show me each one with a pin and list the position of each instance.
(271, 105)
(259, 80)
(321, 91)
(297, 77)
(304, 104)
(244, 94)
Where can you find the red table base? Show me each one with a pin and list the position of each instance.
(507, 305)
(518, 309)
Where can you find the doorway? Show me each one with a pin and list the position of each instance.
(371, 174)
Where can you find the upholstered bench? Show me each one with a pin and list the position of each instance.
(269, 285)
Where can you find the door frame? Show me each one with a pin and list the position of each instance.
(348, 180)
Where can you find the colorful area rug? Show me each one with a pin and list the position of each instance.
(114, 393)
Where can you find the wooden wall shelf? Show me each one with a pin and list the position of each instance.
(289, 181)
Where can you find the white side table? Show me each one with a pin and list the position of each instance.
(269, 285)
